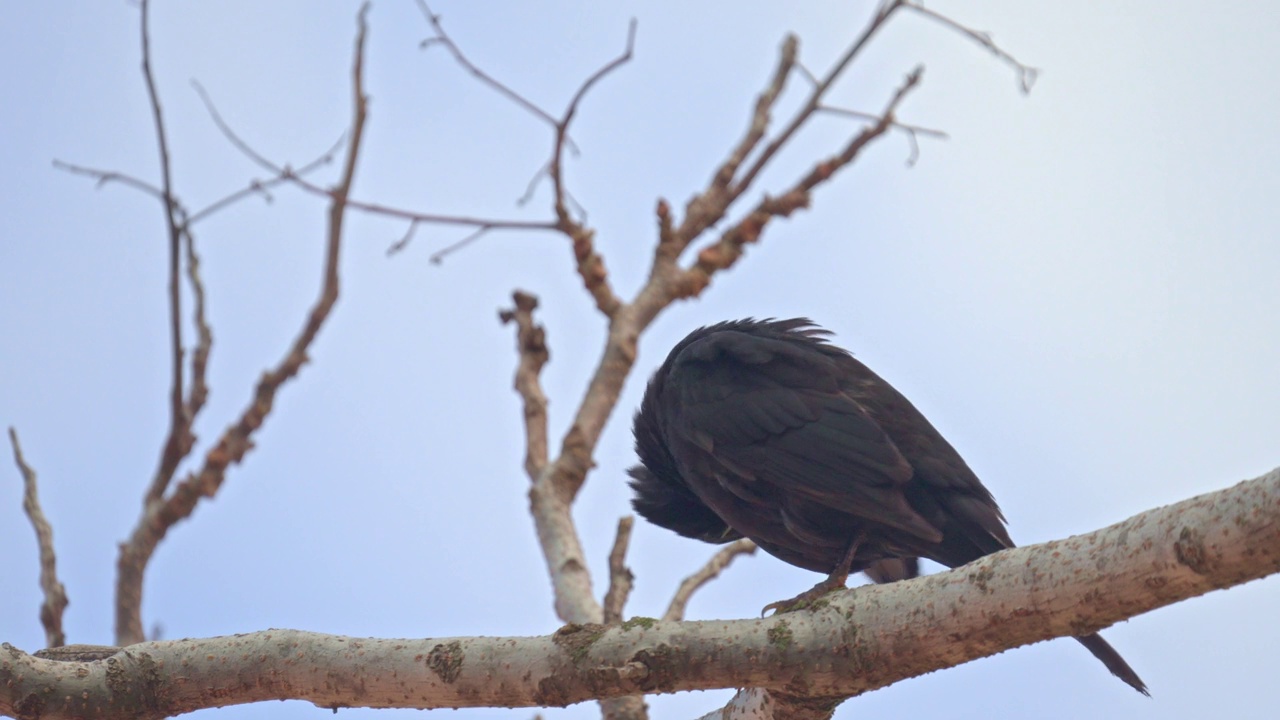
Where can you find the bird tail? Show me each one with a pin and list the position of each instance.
(1102, 650)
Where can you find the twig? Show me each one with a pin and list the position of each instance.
(731, 180)
(105, 177)
(726, 251)
(707, 573)
(255, 187)
(261, 187)
(285, 173)
(55, 594)
(199, 390)
(913, 132)
(812, 103)
(442, 38)
(911, 129)
(438, 256)
(621, 579)
(562, 125)
(1026, 74)
(589, 263)
(787, 61)
(179, 441)
(236, 440)
(531, 343)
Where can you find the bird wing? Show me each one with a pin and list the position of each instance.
(771, 414)
(943, 481)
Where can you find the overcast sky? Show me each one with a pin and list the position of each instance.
(1078, 288)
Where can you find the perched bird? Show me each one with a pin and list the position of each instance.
(762, 429)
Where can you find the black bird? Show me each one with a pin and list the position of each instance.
(762, 429)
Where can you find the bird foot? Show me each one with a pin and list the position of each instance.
(806, 599)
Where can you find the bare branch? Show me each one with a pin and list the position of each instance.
(589, 263)
(1026, 74)
(724, 253)
(55, 594)
(261, 187)
(863, 639)
(872, 117)
(787, 61)
(438, 256)
(199, 390)
(442, 38)
(620, 577)
(731, 180)
(236, 440)
(551, 510)
(556, 168)
(708, 572)
(105, 177)
(760, 704)
(180, 440)
(286, 173)
(531, 343)
(814, 100)
(255, 187)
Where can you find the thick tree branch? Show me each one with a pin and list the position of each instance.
(862, 639)
(55, 594)
(236, 440)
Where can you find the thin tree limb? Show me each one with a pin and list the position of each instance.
(709, 208)
(198, 392)
(588, 262)
(255, 187)
(443, 38)
(724, 253)
(180, 440)
(106, 177)
(55, 594)
(708, 572)
(236, 440)
(1026, 74)
(531, 344)
(621, 579)
(284, 172)
(862, 639)
(261, 187)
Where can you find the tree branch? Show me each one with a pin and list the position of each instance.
(724, 253)
(180, 440)
(442, 38)
(708, 572)
(620, 577)
(1026, 74)
(55, 594)
(589, 263)
(198, 393)
(236, 440)
(531, 344)
(860, 640)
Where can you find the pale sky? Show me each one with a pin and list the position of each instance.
(1078, 288)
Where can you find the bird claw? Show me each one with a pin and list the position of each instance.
(806, 600)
